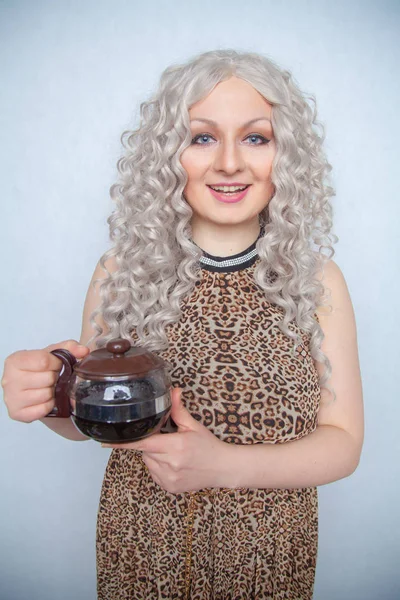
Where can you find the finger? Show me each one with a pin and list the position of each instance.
(155, 444)
(43, 360)
(33, 381)
(33, 413)
(74, 347)
(176, 395)
(154, 470)
(163, 474)
(156, 480)
(179, 413)
(119, 446)
(160, 443)
(151, 463)
(33, 360)
(160, 459)
(29, 398)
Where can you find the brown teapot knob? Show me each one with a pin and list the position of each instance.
(118, 346)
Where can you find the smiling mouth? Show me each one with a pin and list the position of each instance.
(229, 190)
(231, 194)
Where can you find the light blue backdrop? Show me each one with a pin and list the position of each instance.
(72, 76)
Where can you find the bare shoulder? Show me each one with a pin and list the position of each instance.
(335, 313)
(337, 295)
(101, 273)
(93, 300)
(337, 320)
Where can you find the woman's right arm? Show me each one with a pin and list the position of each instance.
(30, 376)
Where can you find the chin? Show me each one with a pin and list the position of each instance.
(233, 219)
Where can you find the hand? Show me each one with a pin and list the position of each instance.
(29, 380)
(191, 459)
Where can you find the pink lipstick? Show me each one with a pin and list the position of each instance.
(229, 197)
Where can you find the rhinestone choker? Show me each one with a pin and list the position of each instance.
(228, 264)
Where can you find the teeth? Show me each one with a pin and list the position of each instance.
(228, 188)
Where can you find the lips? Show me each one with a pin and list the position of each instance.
(225, 184)
(229, 190)
(229, 197)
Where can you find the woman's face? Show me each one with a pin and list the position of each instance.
(232, 145)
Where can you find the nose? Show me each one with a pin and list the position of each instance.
(229, 157)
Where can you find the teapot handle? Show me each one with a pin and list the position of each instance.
(62, 407)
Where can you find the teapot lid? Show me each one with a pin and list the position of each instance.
(118, 359)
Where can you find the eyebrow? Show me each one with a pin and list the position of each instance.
(211, 122)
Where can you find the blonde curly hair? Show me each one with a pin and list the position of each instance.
(158, 264)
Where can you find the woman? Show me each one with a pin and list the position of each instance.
(217, 265)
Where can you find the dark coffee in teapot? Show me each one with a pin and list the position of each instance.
(119, 393)
(121, 411)
(121, 432)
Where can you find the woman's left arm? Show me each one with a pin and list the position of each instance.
(333, 450)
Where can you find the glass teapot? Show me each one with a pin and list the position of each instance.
(119, 393)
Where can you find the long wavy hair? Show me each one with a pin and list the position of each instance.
(157, 264)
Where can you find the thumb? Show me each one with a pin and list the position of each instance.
(179, 414)
(75, 348)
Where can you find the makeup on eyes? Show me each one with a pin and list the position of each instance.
(263, 139)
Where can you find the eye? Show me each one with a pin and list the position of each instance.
(260, 139)
(201, 139)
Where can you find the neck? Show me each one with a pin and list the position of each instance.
(224, 240)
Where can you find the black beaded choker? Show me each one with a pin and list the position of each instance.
(228, 264)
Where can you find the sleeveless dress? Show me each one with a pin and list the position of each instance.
(241, 379)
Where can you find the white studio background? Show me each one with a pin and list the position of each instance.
(72, 76)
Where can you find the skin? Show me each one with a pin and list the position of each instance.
(28, 382)
(229, 150)
(193, 458)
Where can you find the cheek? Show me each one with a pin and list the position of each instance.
(188, 160)
(265, 171)
(195, 164)
(262, 167)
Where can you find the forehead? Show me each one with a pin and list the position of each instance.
(236, 96)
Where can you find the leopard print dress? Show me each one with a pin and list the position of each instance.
(241, 379)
